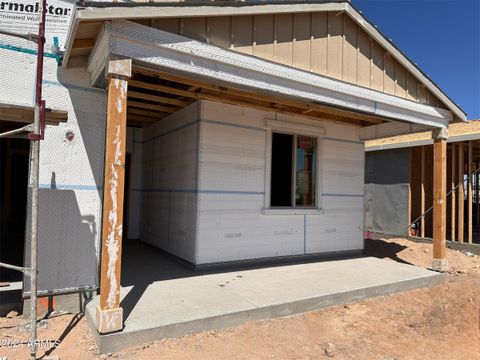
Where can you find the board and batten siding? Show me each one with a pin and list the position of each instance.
(327, 43)
(168, 190)
(231, 190)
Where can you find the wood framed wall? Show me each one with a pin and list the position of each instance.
(463, 197)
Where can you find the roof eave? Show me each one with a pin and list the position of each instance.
(143, 12)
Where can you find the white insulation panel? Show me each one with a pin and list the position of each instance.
(202, 187)
(232, 163)
(168, 215)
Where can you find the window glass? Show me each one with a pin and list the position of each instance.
(281, 170)
(305, 171)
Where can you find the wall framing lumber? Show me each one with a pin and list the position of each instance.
(461, 191)
(453, 194)
(422, 194)
(470, 197)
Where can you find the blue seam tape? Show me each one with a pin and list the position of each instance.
(28, 51)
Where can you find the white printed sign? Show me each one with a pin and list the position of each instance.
(23, 16)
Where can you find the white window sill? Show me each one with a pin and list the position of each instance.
(292, 211)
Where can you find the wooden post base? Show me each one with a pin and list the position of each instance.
(109, 320)
(440, 265)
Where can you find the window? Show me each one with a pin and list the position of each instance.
(293, 171)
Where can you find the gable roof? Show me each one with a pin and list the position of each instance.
(91, 11)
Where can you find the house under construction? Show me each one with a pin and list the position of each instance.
(219, 132)
(399, 183)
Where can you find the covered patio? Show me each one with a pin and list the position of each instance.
(162, 298)
(150, 74)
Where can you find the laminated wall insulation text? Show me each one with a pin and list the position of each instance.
(168, 194)
(71, 171)
(232, 163)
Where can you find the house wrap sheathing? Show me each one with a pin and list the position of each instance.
(71, 171)
(199, 183)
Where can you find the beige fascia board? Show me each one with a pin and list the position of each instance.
(72, 32)
(149, 12)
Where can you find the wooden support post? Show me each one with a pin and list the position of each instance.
(439, 262)
(470, 197)
(477, 192)
(454, 205)
(109, 317)
(461, 193)
(422, 195)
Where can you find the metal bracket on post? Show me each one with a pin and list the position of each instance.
(440, 134)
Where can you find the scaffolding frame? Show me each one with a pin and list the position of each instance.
(35, 133)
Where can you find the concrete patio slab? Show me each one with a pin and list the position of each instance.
(179, 301)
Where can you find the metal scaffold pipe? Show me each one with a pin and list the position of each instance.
(39, 125)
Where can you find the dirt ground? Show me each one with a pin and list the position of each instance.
(441, 322)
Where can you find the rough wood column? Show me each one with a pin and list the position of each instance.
(461, 191)
(439, 262)
(109, 317)
(454, 205)
(470, 193)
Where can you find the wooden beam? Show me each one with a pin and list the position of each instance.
(151, 114)
(260, 96)
(470, 197)
(109, 316)
(162, 88)
(156, 98)
(258, 105)
(83, 44)
(141, 105)
(461, 191)
(144, 119)
(439, 262)
(453, 202)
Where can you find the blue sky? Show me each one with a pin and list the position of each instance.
(441, 36)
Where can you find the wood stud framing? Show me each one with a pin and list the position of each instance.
(463, 190)
(470, 197)
(422, 194)
(453, 194)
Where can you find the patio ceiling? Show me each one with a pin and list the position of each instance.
(153, 95)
